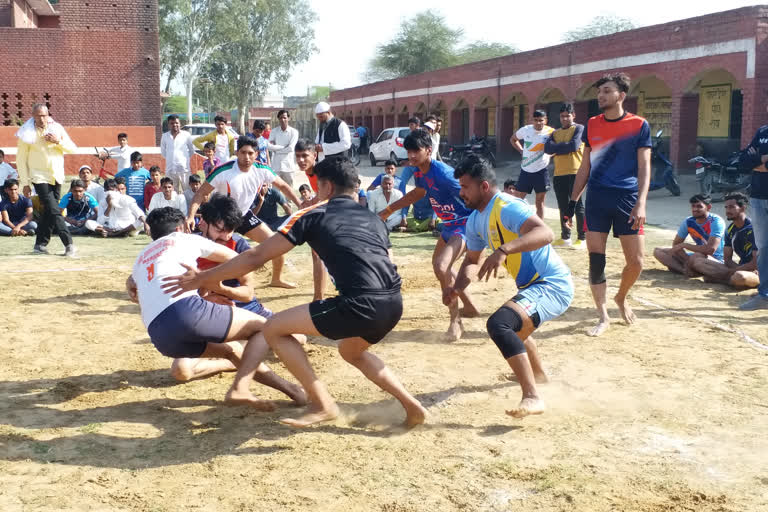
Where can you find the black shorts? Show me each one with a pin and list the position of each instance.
(607, 208)
(250, 221)
(533, 181)
(186, 326)
(367, 316)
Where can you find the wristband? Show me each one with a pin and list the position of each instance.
(505, 253)
(571, 210)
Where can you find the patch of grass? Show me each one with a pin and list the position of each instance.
(91, 428)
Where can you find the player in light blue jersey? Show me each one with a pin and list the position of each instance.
(520, 242)
(435, 180)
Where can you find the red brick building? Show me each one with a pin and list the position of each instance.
(702, 80)
(94, 62)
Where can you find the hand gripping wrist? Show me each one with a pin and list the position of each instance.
(571, 210)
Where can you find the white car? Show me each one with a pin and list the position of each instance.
(389, 145)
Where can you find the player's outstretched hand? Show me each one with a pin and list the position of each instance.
(189, 226)
(491, 265)
(189, 280)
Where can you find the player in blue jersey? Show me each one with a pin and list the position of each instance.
(616, 171)
(707, 231)
(435, 180)
(520, 243)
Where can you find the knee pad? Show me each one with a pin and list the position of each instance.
(596, 268)
(502, 327)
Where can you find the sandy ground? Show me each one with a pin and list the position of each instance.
(666, 415)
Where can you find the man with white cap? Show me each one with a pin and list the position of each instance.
(97, 191)
(333, 137)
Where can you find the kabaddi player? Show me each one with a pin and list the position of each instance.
(435, 179)
(520, 242)
(354, 245)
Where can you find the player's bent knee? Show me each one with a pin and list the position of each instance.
(596, 268)
(502, 327)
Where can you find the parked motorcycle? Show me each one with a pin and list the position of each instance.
(662, 171)
(722, 177)
(479, 146)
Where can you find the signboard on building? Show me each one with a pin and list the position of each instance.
(657, 111)
(714, 110)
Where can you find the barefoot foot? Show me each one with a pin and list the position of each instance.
(540, 378)
(282, 284)
(313, 415)
(600, 328)
(415, 415)
(626, 312)
(235, 397)
(469, 312)
(527, 407)
(297, 394)
(454, 332)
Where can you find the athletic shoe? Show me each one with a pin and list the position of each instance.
(70, 251)
(579, 244)
(562, 242)
(755, 303)
(41, 249)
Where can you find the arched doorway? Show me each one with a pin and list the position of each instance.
(550, 100)
(459, 128)
(485, 118)
(718, 98)
(514, 112)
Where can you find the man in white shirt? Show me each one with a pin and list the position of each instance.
(534, 176)
(282, 140)
(185, 325)
(6, 171)
(168, 197)
(380, 198)
(333, 138)
(119, 215)
(93, 188)
(177, 148)
(122, 152)
(242, 180)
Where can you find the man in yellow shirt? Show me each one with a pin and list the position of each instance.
(566, 146)
(221, 137)
(40, 162)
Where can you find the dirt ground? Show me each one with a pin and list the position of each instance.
(666, 415)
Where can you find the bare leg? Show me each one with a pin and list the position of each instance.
(318, 277)
(259, 234)
(670, 259)
(442, 260)
(355, 352)
(533, 356)
(713, 271)
(632, 245)
(745, 279)
(322, 406)
(540, 196)
(596, 243)
(185, 369)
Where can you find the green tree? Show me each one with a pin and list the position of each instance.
(175, 104)
(482, 50)
(265, 41)
(599, 26)
(172, 52)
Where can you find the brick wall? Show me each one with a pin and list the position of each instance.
(100, 67)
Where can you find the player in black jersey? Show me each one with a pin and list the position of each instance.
(354, 245)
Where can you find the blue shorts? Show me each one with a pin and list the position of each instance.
(186, 326)
(529, 182)
(454, 228)
(547, 298)
(610, 207)
(255, 306)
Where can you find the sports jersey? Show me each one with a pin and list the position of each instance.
(741, 240)
(443, 192)
(712, 226)
(243, 187)
(134, 183)
(499, 223)
(534, 157)
(614, 144)
(377, 181)
(352, 242)
(78, 210)
(163, 258)
(262, 145)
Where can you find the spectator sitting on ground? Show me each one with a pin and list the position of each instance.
(6, 171)
(168, 197)
(136, 176)
(739, 238)
(265, 206)
(15, 211)
(194, 185)
(362, 198)
(220, 217)
(305, 191)
(211, 160)
(122, 216)
(380, 199)
(706, 229)
(93, 188)
(78, 207)
(509, 186)
(390, 167)
(153, 186)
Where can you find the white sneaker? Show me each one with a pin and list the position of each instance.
(579, 244)
(562, 242)
(70, 251)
